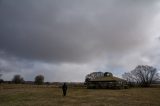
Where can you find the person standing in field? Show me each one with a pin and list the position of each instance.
(64, 88)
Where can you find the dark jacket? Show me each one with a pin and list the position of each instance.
(64, 87)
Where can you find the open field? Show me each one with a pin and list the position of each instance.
(29, 95)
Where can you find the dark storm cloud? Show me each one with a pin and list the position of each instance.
(72, 30)
(76, 37)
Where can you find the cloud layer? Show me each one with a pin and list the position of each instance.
(102, 35)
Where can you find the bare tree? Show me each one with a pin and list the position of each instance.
(93, 75)
(144, 75)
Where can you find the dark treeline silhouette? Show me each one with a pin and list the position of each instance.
(18, 79)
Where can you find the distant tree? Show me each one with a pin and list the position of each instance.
(128, 77)
(39, 79)
(1, 81)
(93, 75)
(17, 79)
(143, 75)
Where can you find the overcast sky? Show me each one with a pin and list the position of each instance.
(66, 39)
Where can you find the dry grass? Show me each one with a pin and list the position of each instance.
(28, 95)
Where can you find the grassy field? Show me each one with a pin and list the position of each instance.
(28, 95)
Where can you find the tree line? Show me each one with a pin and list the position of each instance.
(142, 75)
(18, 79)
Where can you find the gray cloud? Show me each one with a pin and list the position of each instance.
(72, 31)
(76, 32)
